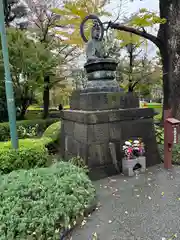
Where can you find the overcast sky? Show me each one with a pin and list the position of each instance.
(131, 7)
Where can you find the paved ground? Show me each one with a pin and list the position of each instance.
(146, 207)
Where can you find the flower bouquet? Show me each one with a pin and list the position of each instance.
(134, 160)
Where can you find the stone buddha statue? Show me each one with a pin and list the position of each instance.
(95, 47)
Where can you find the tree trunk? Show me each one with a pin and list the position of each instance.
(168, 42)
(46, 97)
(165, 51)
(130, 87)
(174, 44)
(24, 106)
(25, 102)
(169, 34)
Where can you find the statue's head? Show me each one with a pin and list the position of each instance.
(96, 31)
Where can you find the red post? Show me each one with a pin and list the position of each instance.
(167, 145)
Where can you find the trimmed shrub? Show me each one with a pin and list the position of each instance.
(31, 153)
(26, 128)
(53, 131)
(41, 203)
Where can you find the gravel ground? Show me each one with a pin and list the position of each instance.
(146, 207)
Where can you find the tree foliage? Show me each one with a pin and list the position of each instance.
(43, 24)
(72, 13)
(29, 62)
(167, 42)
(14, 9)
(137, 68)
(140, 78)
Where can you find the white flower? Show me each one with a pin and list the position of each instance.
(135, 145)
(136, 142)
(128, 143)
(125, 147)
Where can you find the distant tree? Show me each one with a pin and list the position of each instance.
(44, 23)
(135, 68)
(30, 61)
(79, 78)
(13, 10)
(72, 13)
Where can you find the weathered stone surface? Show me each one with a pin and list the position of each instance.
(99, 64)
(80, 132)
(69, 128)
(130, 114)
(115, 131)
(71, 148)
(90, 132)
(103, 85)
(102, 74)
(92, 117)
(130, 101)
(75, 148)
(75, 100)
(97, 117)
(99, 155)
(103, 100)
(98, 133)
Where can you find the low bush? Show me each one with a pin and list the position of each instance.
(53, 131)
(26, 128)
(79, 162)
(175, 153)
(158, 117)
(159, 131)
(31, 153)
(41, 203)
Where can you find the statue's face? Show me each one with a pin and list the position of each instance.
(96, 32)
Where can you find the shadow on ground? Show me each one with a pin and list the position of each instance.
(146, 207)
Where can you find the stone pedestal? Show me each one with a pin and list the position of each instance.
(89, 134)
(101, 119)
(128, 165)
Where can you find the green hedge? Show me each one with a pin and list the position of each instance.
(175, 153)
(26, 128)
(53, 131)
(41, 203)
(159, 131)
(31, 153)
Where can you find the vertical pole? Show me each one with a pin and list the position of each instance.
(167, 148)
(8, 81)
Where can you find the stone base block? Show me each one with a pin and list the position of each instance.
(89, 134)
(101, 172)
(103, 100)
(128, 165)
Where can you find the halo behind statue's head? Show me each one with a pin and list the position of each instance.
(97, 25)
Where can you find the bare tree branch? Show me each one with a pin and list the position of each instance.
(146, 35)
